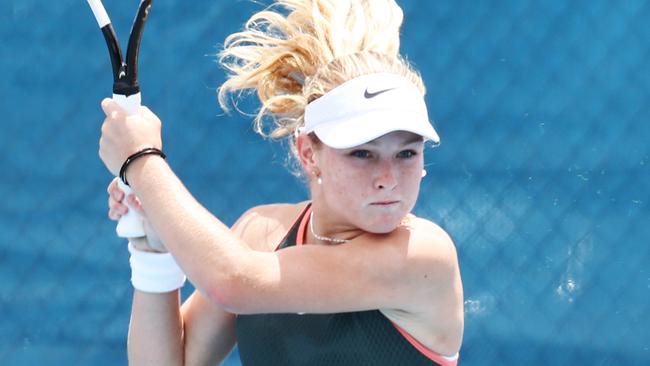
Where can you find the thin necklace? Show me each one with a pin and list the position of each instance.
(323, 238)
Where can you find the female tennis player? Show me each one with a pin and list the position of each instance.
(350, 277)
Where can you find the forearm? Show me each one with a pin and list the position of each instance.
(206, 249)
(209, 331)
(156, 329)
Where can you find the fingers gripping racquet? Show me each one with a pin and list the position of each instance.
(126, 90)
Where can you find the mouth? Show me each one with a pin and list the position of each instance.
(384, 203)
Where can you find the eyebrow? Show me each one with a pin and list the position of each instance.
(416, 138)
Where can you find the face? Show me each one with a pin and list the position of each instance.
(371, 186)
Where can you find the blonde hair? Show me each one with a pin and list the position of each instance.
(293, 58)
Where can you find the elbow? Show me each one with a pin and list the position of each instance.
(233, 294)
(240, 289)
(226, 295)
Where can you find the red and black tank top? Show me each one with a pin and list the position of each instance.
(353, 338)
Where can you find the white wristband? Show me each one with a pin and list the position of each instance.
(155, 272)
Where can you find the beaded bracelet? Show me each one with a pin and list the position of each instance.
(134, 157)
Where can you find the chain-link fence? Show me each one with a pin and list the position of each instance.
(542, 177)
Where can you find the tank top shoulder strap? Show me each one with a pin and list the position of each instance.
(296, 234)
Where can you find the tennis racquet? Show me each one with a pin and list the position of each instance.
(126, 90)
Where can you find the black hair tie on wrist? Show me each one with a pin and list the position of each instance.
(134, 157)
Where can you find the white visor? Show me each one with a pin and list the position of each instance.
(367, 107)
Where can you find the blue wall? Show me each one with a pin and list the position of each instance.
(541, 179)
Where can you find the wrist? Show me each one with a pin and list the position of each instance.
(153, 272)
(139, 156)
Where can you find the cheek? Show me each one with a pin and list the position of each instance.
(412, 174)
(411, 177)
(347, 183)
(345, 187)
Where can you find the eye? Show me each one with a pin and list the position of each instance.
(406, 154)
(361, 154)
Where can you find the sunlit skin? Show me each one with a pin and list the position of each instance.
(368, 188)
(411, 276)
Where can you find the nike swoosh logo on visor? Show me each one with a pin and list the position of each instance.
(369, 95)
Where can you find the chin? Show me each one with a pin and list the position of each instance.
(383, 231)
(384, 226)
(383, 220)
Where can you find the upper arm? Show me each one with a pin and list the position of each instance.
(396, 271)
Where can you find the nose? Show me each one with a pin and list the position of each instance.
(386, 178)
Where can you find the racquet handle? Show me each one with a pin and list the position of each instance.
(130, 225)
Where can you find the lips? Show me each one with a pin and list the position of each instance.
(384, 203)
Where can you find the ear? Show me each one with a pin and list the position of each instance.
(306, 151)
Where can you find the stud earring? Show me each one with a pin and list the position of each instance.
(424, 173)
(319, 180)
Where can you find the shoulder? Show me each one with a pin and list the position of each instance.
(277, 213)
(435, 309)
(262, 227)
(428, 264)
(430, 244)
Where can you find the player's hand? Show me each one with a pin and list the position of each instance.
(118, 208)
(124, 135)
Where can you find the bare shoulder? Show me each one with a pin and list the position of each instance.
(433, 261)
(418, 255)
(262, 227)
(433, 313)
(429, 243)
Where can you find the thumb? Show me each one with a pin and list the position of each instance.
(111, 107)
